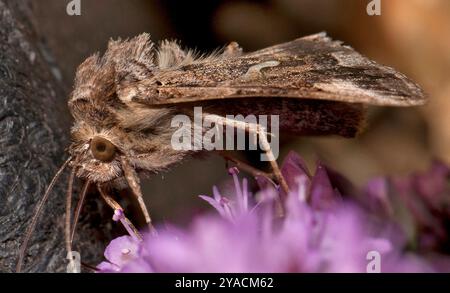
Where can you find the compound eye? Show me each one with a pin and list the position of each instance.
(102, 149)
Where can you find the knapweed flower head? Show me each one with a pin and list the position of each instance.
(317, 227)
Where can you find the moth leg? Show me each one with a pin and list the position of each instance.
(261, 133)
(116, 207)
(134, 183)
(246, 167)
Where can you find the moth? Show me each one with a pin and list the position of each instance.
(123, 103)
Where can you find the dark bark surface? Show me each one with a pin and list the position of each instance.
(34, 127)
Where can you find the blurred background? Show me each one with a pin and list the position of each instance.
(412, 36)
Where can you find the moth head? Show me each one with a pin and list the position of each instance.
(97, 153)
(100, 151)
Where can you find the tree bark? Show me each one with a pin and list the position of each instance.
(34, 127)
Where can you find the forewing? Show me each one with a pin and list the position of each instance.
(313, 67)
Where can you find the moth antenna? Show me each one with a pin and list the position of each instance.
(78, 208)
(37, 213)
(67, 227)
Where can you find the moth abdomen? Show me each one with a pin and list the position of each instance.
(305, 117)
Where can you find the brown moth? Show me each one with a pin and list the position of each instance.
(123, 103)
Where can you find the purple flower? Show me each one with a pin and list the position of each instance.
(423, 200)
(231, 209)
(119, 252)
(321, 229)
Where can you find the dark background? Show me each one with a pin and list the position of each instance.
(411, 36)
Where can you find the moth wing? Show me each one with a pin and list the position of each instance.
(313, 67)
